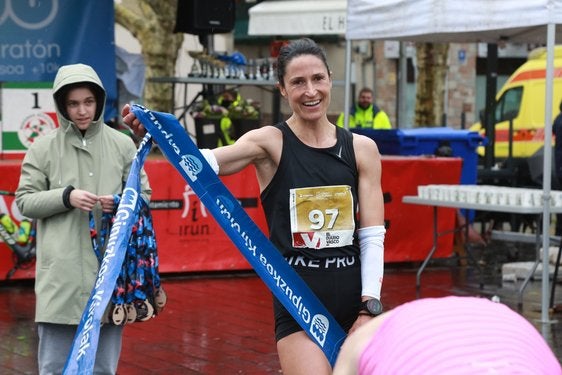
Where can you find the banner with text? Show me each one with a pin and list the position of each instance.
(37, 37)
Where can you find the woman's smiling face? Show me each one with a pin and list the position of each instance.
(306, 86)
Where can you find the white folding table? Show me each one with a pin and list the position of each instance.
(506, 208)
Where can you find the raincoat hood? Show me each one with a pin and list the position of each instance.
(70, 76)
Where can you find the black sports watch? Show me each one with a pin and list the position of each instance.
(371, 307)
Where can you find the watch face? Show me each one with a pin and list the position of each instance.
(374, 306)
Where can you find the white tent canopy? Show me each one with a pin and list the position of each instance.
(491, 21)
(298, 17)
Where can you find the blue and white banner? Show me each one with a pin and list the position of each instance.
(83, 354)
(39, 36)
(266, 260)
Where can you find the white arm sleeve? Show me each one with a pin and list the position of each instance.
(371, 244)
(211, 159)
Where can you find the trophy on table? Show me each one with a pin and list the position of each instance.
(195, 67)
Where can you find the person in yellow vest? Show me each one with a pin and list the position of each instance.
(365, 114)
(228, 99)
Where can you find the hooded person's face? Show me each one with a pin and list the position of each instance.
(81, 107)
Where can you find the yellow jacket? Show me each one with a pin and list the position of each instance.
(227, 129)
(370, 118)
(227, 132)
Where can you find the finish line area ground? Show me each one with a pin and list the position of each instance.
(222, 323)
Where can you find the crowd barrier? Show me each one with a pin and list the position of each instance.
(189, 240)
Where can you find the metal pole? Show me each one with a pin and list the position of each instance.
(402, 82)
(546, 178)
(347, 88)
(489, 117)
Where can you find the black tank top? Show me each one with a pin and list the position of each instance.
(302, 166)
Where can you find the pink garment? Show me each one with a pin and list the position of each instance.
(457, 335)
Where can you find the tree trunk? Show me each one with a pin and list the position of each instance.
(152, 23)
(430, 87)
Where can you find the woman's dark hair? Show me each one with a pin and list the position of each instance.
(295, 48)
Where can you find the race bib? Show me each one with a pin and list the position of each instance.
(322, 216)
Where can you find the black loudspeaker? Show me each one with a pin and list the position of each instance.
(205, 16)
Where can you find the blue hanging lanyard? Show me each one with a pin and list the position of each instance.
(139, 280)
(98, 241)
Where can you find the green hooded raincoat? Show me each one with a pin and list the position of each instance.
(98, 162)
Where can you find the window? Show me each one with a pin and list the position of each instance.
(508, 106)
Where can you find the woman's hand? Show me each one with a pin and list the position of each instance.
(134, 123)
(107, 203)
(361, 320)
(83, 199)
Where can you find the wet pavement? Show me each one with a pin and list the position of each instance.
(222, 323)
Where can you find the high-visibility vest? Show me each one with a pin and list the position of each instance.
(370, 118)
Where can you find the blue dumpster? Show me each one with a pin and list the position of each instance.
(431, 141)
